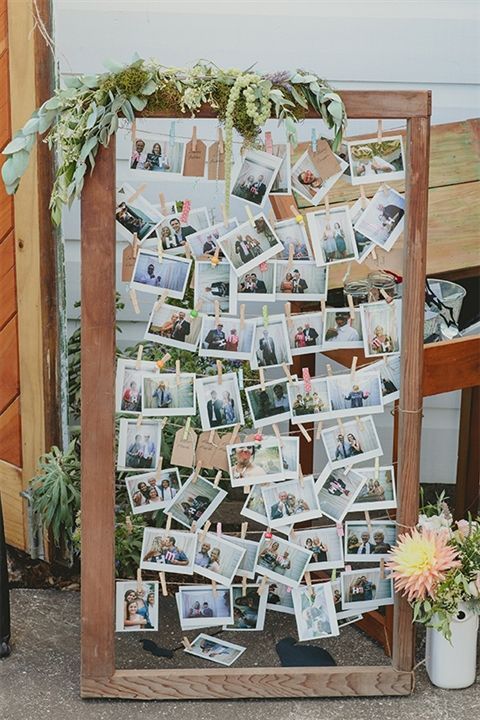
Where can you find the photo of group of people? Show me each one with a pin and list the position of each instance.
(170, 551)
(305, 333)
(156, 154)
(216, 558)
(138, 445)
(136, 606)
(315, 611)
(200, 607)
(203, 243)
(268, 403)
(367, 542)
(378, 493)
(324, 543)
(304, 279)
(309, 403)
(226, 338)
(147, 493)
(250, 244)
(293, 234)
(173, 326)
(363, 588)
(281, 560)
(255, 175)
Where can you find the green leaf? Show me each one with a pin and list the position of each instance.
(91, 119)
(72, 82)
(52, 104)
(90, 81)
(9, 173)
(299, 98)
(18, 143)
(44, 121)
(138, 103)
(31, 126)
(149, 88)
(128, 111)
(20, 161)
(112, 65)
(87, 148)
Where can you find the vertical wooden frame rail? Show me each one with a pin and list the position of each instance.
(99, 678)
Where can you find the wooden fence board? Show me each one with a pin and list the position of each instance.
(12, 504)
(6, 207)
(7, 254)
(8, 305)
(9, 377)
(10, 443)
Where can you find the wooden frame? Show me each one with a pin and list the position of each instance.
(99, 678)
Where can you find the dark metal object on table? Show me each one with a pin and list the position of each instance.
(4, 594)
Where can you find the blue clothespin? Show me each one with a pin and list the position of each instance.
(314, 140)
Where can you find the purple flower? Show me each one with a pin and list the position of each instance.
(279, 78)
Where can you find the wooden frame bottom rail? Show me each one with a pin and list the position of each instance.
(228, 684)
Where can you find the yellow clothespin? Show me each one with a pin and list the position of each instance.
(177, 372)
(163, 361)
(133, 131)
(215, 259)
(351, 307)
(250, 217)
(188, 250)
(353, 368)
(196, 472)
(219, 371)
(261, 374)
(138, 362)
(133, 298)
(296, 214)
(304, 433)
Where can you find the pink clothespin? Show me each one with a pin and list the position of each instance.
(307, 379)
(263, 267)
(187, 206)
(339, 527)
(268, 142)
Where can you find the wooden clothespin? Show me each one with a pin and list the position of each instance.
(368, 521)
(137, 193)
(187, 428)
(262, 585)
(347, 274)
(323, 307)
(347, 469)
(291, 252)
(341, 426)
(218, 477)
(160, 250)
(329, 370)
(168, 524)
(318, 434)
(288, 313)
(163, 204)
(219, 371)
(277, 434)
(363, 197)
(163, 361)
(244, 585)
(388, 298)
(219, 529)
(139, 420)
(376, 472)
(204, 530)
(160, 301)
(186, 643)
(304, 433)
(359, 422)
(300, 475)
(217, 312)
(250, 217)
(194, 138)
(374, 254)
(193, 527)
(196, 472)
(133, 299)
(340, 530)
(297, 214)
(326, 202)
(353, 368)
(163, 583)
(261, 374)
(211, 437)
(215, 258)
(287, 372)
(133, 131)
(135, 245)
(139, 580)
(129, 524)
(214, 588)
(177, 372)
(308, 581)
(382, 569)
(138, 361)
(158, 469)
(242, 316)
(268, 142)
(351, 307)
(235, 432)
(243, 530)
(379, 129)
(246, 489)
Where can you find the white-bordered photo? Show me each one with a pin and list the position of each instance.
(337, 490)
(201, 606)
(279, 559)
(135, 215)
(255, 461)
(324, 543)
(153, 156)
(214, 283)
(381, 327)
(282, 185)
(302, 281)
(345, 617)
(138, 445)
(360, 395)
(174, 231)
(203, 243)
(254, 507)
(173, 326)
(151, 275)
(250, 244)
(246, 568)
(308, 183)
(315, 611)
(290, 502)
(168, 395)
(369, 542)
(378, 492)
(268, 403)
(254, 175)
(364, 245)
(171, 551)
(376, 159)
(340, 330)
(214, 649)
(279, 598)
(217, 558)
(290, 450)
(249, 608)
(136, 607)
(309, 405)
(389, 369)
(293, 233)
(219, 401)
(363, 588)
(128, 385)
(258, 285)
(332, 236)
(195, 502)
(383, 220)
(271, 347)
(305, 333)
(348, 620)
(147, 493)
(227, 338)
(353, 442)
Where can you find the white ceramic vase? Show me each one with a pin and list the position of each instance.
(452, 665)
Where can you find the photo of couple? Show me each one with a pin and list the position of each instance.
(152, 156)
(281, 560)
(219, 402)
(226, 338)
(383, 220)
(305, 279)
(135, 215)
(290, 502)
(216, 558)
(337, 490)
(254, 178)
(332, 235)
(173, 234)
(324, 543)
(138, 445)
(361, 588)
(305, 333)
(203, 243)
(171, 551)
(172, 326)
(293, 234)
(250, 244)
(136, 606)
(147, 494)
(128, 385)
(195, 502)
(270, 347)
(357, 441)
(198, 606)
(268, 404)
(378, 493)
(258, 285)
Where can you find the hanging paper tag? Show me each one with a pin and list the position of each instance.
(195, 157)
(205, 449)
(183, 451)
(219, 458)
(187, 206)
(216, 162)
(324, 160)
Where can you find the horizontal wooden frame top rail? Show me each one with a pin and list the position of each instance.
(99, 678)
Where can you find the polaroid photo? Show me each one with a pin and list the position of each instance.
(203, 243)
(173, 326)
(308, 183)
(212, 283)
(268, 403)
(345, 617)
(341, 331)
(195, 502)
(254, 507)
(174, 232)
(389, 369)
(324, 543)
(171, 551)
(369, 542)
(383, 220)
(147, 493)
(135, 215)
(136, 607)
(251, 244)
(229, 338)
(219, 401)
(217, 558)
(360, 395)
(246, 568)
(254, 175)
(311, 405)
(376, 160)
(279, 598)
(364, 245)
(258, 285)
(214, 649)
(281, 560)
(332, 236)
(255, 461)
(364, 589)
(305, 333)
(152, 155)
(378, 492)
(249, 608)
(381, 327)
(128, 385)
(271, 347)
(168, 395)
(305, 279)
(290, 502)
(348, 620)
(351, 442)
(150, 275)
(337, 490)
(290, 450)
(282, 185)
(138, 445)
(315, 611)
(293, 233)
(201, 606)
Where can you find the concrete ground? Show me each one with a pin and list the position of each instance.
(41, 678)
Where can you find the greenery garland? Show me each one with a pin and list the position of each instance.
(83, 115)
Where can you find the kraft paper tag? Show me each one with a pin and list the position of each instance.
(183, 451)
(205, 450)
(219, 460)
(195, 159)
(215, 162)
(324, 160)
(128, 263)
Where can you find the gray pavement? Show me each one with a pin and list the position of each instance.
(41, 678)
